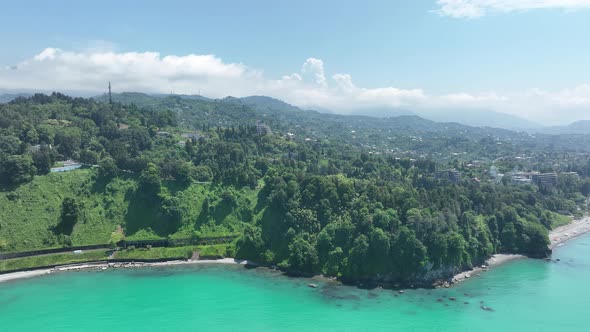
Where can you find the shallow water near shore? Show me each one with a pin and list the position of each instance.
(523, 295)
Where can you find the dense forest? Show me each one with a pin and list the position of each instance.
(352, 197)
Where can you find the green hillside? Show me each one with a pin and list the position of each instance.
(30, 215)
(358, 198)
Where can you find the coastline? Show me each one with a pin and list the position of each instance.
(107, 265)
(495, 260)
(557, 237)
(564, 233)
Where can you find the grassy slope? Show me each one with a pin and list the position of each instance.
(53, 259)
(560, 220)
(96, 255)
(177, 252)
(29, 213)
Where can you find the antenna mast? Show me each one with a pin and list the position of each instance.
(110, 95)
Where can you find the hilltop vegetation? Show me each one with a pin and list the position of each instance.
(351, 197)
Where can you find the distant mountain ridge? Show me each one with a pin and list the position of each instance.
(8, 97)
(468, 117)
(283, 112)
(380, 112)
(283, 117)
(581, 127)
(474, 118)
(350, 130)
(268, 102)
(480, 118)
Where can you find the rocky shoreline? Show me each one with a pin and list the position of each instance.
(492, 262)
(116, 265)
(557, 237)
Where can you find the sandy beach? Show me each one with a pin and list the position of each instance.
(495, 260)
(557, 237)
(105, 266)
(567, 232)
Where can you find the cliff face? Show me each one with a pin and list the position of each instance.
(430, 277)
(441, 273)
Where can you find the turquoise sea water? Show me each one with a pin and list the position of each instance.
(526, 295)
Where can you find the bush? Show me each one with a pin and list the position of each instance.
(107, 169)
(16, 170)
(70, 214)
(12, 196)
(230, 251)
(115, 238)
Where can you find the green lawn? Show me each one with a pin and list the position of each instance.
(156, 253)
(224, 250)
(52, 259)
(220, 250)
(560, 220)
(176, 252)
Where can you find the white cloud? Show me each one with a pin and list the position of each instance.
(88, 72)
(562, 106)
(478, 8)
(576, 97)
(314, 68)
(48, 53)
(148, 71)
(344, 82)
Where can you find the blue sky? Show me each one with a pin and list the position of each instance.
(494, 54)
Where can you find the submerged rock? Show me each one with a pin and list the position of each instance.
(372, 295)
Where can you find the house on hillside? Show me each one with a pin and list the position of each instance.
(452, 175)
(548, 180)
(523, 177)
(193, 136)
(263, 129)
(37, 148)
(572, 174)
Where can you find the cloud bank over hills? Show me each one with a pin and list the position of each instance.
(87, 72)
